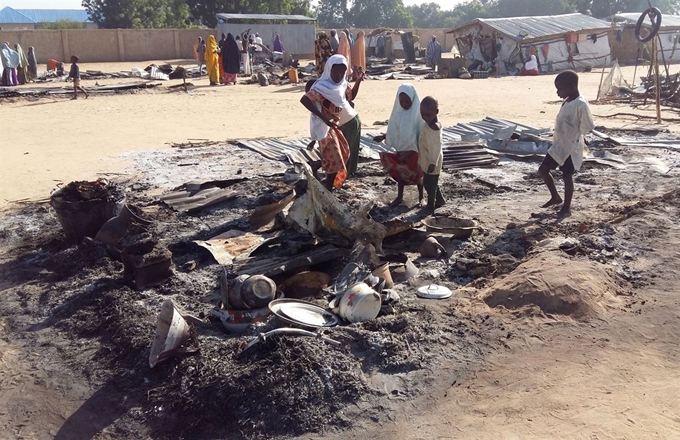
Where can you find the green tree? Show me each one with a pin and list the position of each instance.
(466, 12)
(205, 11)
(64, 24)
(141, 14)
(426, 15)
(332, 13)
(520, 8)
(375, 13)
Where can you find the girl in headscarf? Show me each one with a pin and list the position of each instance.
(278, 45)
(231, 59)
(403, 131)
(329, 101)
(322, 52)
(10, 61)
(345, 50)
(211, 60)
(22, 68)
(32, 64)
(359, 51)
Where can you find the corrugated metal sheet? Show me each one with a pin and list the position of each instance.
(192, 201)
(52, 15)
(539, 27)
(295, 151)
(458, 154)
(11, 16)
(632, 18)
(227, 17)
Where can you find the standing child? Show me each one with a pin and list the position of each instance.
(430, 156)
(200, 51)
(74, 75)
(403, 132)
(573, 121)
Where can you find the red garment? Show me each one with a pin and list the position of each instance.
(52, 64)
(403, 167)
(525, 72)
(334, 148)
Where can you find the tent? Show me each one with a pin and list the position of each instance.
(559, 42)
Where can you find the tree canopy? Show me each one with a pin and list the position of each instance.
(348, 13)
(147, 14)
(344, 13)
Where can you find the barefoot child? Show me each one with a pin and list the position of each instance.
(430, 156)
(74, 75)
(403, 132)
(573, 121)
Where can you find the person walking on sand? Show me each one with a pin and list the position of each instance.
(403, 131)
(212, 61)
(328, 101)
(231, 60)
(574, 120)
(200, 52)
(32, 64)
(22, 68)
(434, 52)
(430, 155)
(74, 75)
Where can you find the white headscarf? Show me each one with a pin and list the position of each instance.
(335, 93)
(404, 126)
(532, 64)
(10, 58)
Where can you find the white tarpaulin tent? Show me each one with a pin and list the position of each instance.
(559, 41)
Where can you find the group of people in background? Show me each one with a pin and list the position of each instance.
(341, 43)
(224, 59)
(17, 67)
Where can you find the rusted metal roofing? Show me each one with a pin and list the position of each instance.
(458, 154)
(269, 17)
(632, 18)
(539, 27)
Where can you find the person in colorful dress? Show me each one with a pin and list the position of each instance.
(211, 61)
(403, 131)
(322, 52)
(329, 104)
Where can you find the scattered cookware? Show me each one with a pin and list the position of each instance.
(431, 248)
(459, 228)
(302, 314)
(358, 304)
(434, 291)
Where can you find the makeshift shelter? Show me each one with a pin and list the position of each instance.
(627, 48)
(297, 32)
(559, 42)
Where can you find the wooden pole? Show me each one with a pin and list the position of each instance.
(655, 60)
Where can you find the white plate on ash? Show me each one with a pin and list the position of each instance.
(433, 291)
(303, 313)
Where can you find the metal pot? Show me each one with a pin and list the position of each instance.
(359, 303)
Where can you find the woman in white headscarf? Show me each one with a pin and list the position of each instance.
(10, 62)
(403, 130)
(329, 101)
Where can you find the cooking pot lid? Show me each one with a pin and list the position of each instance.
(433, 291)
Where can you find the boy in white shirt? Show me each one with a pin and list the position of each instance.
(573, 122)
(430, 156)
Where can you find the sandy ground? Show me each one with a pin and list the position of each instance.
(536, 375)
(59, 140)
